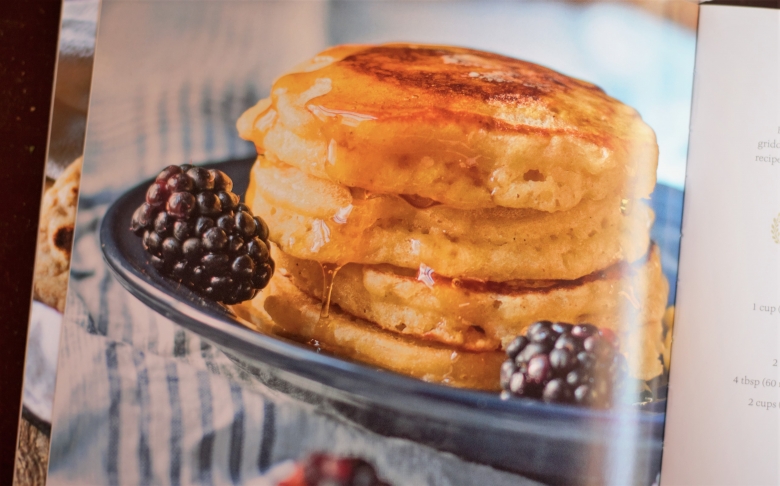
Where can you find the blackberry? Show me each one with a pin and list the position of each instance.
(197, 233)
(564, 363)
(324, 470)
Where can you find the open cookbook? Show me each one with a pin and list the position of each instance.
(409, 243)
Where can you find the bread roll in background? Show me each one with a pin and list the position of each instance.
(55, 238)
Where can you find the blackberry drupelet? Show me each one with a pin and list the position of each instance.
(197, 232)
(564, 363)
(324, 470)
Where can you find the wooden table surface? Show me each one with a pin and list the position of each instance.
(32, 455)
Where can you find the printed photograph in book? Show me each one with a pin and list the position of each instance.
(376, 243)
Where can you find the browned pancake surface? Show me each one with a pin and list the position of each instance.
(466, 128)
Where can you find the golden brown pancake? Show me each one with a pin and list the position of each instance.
(466, 128)
(485, 316)
(284, 310)
(317, 219)
(466, 194)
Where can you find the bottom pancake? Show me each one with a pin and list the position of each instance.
(295, 315)
(479, 316)
(286, 311)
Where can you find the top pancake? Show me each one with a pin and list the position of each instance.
(466, 128)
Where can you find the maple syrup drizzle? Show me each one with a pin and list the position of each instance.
(451, 375)
(328, 274)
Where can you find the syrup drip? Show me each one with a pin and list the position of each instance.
(348, 118)
(631, 297)
(328, 274)
(451, 375)
(342, 214)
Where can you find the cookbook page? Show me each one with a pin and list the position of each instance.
(722, 425)
(376, 243)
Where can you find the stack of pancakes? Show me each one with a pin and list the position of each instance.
(458, 196)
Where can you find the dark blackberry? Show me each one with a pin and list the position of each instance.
(215, 239)
(181, 205)
(209, 204)
(203, 224)
(143, 217)
(226, 222)
(171, 249)
(228, 200)
(180, 183)
(163, 223)
(167, 172)
(157, 194)
(152, 242)
(235, 245)
(257, 249)
(262, 229)
(197, 232)
(215, 263)
(325, 470)
(181, 229)
(516, 346)
(202, 178)
(245, 223)
(192, 249)
(564, 363)
(222, 182)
